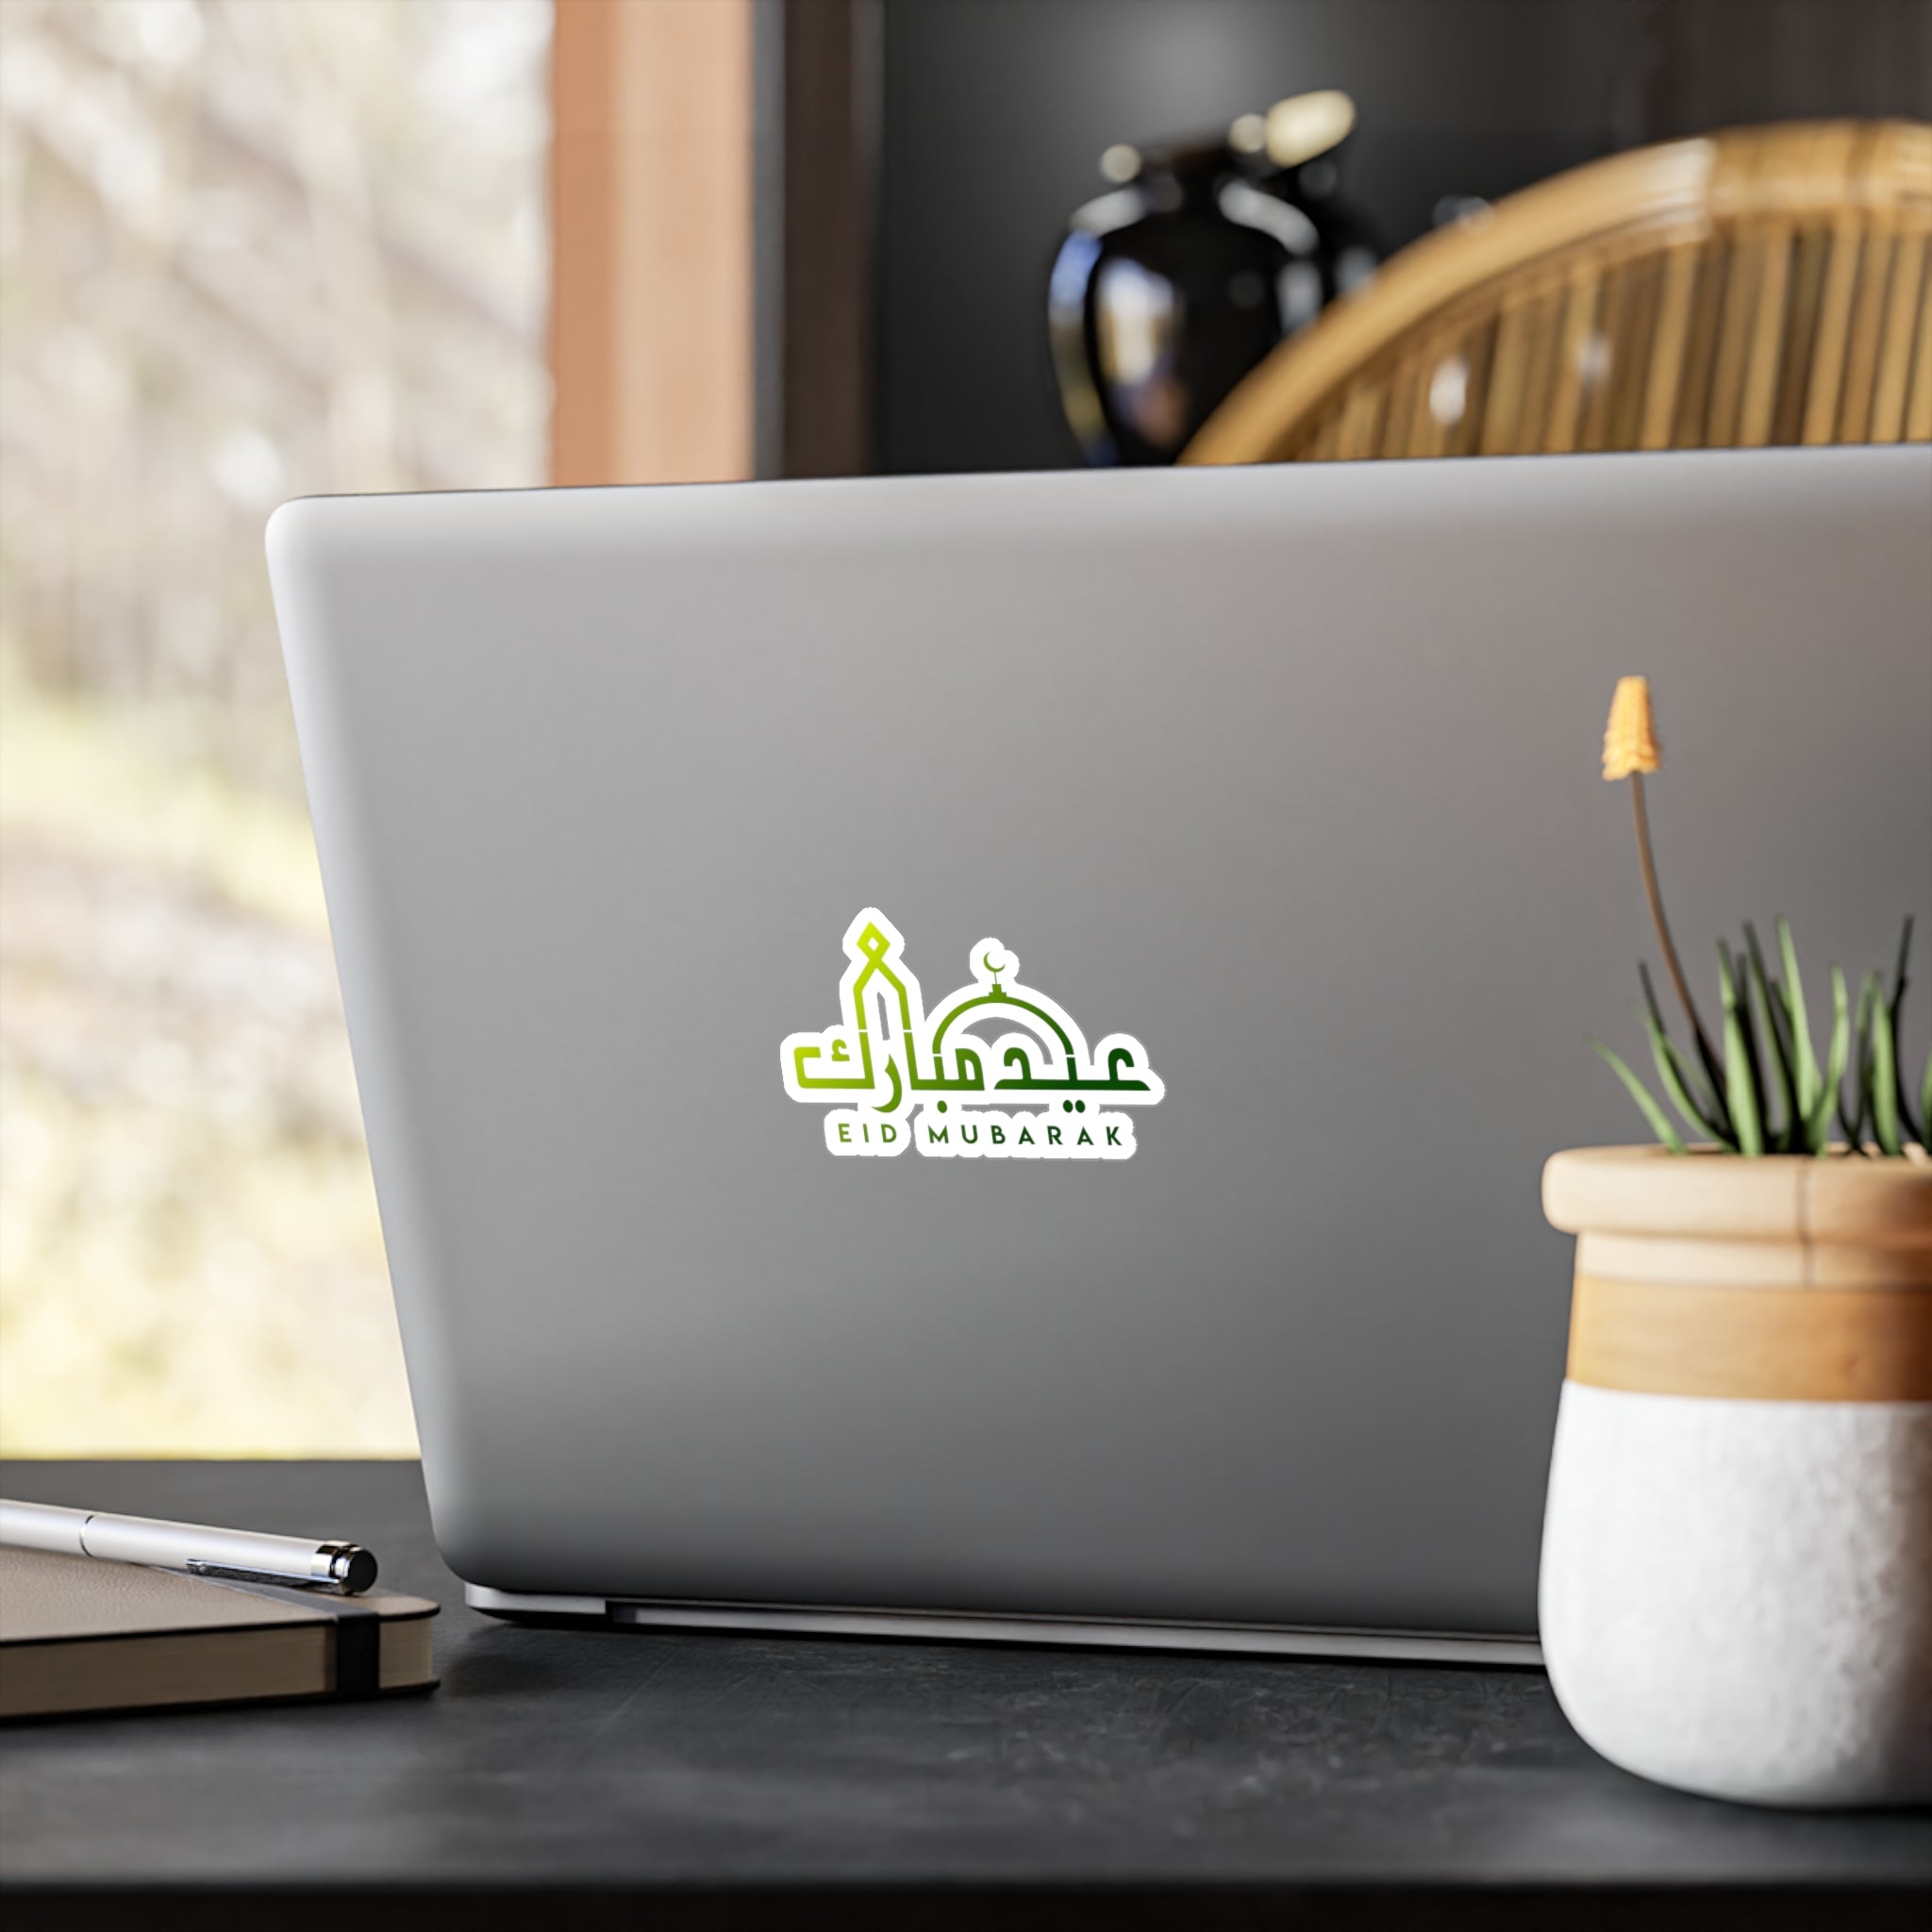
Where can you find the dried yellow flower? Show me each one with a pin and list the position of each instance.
(1631, 738)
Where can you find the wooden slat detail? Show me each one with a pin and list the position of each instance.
(1810, 254)
(1424, 437)
(1440, 371)
(1416, 431)
(1753, 1344)
(1479, 352)
(1744, 288)
(1641, 283)
(1901, 309)
(1526, 362)
(1629, 317)
(1361, 422)
(1868, 320)
(1693, 392)
(1540, 354)
(1606, 351)
(1834, 329)
(1401, 411)
(1665, 376)
(1502, 403)
(1579, 350)
(1767, 340)
(1919, 400)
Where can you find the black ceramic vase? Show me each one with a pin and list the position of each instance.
(1167, 290)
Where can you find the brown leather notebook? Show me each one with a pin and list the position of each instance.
(77, 1634)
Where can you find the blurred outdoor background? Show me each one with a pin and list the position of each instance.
(248, 251)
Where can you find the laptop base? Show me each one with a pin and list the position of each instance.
(1250, 1640)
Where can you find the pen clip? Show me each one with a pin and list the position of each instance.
(229, 1572)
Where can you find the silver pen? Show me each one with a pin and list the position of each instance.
(244, 1555)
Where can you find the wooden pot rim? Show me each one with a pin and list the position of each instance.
(1843, 1199)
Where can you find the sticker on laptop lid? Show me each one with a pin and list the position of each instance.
(998, 1070)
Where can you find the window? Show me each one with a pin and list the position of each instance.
(247, 252)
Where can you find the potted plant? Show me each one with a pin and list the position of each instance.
(1737, 1570)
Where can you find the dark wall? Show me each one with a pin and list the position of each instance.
(994, 111)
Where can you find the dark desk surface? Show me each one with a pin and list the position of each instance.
(718, 1780)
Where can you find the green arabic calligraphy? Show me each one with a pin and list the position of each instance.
(888, 1055)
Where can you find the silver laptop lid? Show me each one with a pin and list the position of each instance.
(695, 855)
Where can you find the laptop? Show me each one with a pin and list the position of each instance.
(972, 1056)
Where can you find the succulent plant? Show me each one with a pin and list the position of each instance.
(1767, 1091)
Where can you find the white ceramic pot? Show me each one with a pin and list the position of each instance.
(1737, 1568)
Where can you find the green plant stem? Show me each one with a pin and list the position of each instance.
(1919, 1130)
(1817, 1124)
(1766, 993)
(1741, 1096)
(1659, 1121)
(1885, 1121)
(1854, 1120)
(1648, 865)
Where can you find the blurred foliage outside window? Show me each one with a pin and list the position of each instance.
(249, 250)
